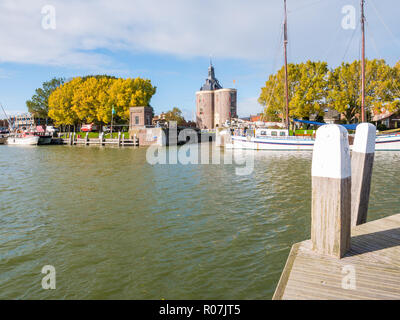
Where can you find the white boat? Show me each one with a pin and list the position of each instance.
(278, 139)
(23, 139)
(270, 139)
(389, 142)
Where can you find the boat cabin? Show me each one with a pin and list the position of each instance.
(264, 132)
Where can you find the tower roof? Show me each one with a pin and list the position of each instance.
(212, 83)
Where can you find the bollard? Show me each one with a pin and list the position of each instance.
(101, 138)
(119, 138)
(362, 161)
(331, 192)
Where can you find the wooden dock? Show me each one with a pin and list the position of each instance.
(72, 139)
(374, 258)
(346, 258)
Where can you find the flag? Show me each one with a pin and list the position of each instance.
(113, 110)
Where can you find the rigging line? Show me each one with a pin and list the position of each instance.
(304, 6)
(384, 24)
(380, 57)
(274, 65)
(272, 92)
(373, 40)
(326, 54)
(349, 44)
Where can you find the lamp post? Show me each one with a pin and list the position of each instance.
(112, 118)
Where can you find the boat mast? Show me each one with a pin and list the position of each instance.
(8, 119)
(363, 63)
(285, 42)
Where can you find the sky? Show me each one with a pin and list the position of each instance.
(171, 42)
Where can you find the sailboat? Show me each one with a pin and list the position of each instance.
(19, 137)
(23, 138)
(271, 139)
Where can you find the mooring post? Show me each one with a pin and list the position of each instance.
(134, 140)
(331, 192)
(362, 161)
(87, 138)
(119, 138)
(123, 139)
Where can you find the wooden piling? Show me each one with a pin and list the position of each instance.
(331, 192)
(362, 160)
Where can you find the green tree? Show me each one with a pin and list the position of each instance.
(175, 115)
(345, 88)
(39, 103)
(307, 91)
(91, 99)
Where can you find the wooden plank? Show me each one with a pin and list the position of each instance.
(331, 192)
(374, 256)
(362, 161)
(285, 274)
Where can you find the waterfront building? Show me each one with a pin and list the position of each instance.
(387, 119)
(330, 116)
(26, 120)
(140, 117)
(214, 104)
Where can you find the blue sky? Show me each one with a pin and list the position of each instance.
(170, 42)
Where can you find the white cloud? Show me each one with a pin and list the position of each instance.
(228, 29)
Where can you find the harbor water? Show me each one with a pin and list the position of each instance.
(116, 227)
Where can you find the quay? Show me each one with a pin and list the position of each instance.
(346, 258)
(141, 137)
(72, 139)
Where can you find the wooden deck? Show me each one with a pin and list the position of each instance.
(374, 256)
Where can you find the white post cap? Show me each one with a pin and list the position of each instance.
(364, 141)
(331, 157)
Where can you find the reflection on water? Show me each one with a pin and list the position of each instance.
(115, 227)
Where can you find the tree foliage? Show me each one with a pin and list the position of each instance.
(175, 115)
(313, 86)
(91, 99)
(345, 88)
(39, 103)
(307, 90)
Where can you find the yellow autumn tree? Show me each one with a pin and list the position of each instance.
(61, 102)
(91, 99)
(127, 93)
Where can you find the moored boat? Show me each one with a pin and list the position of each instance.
(388, 142)
(23, 139)
(270, 139)
(44, 139)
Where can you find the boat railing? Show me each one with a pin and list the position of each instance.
(293, 138)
